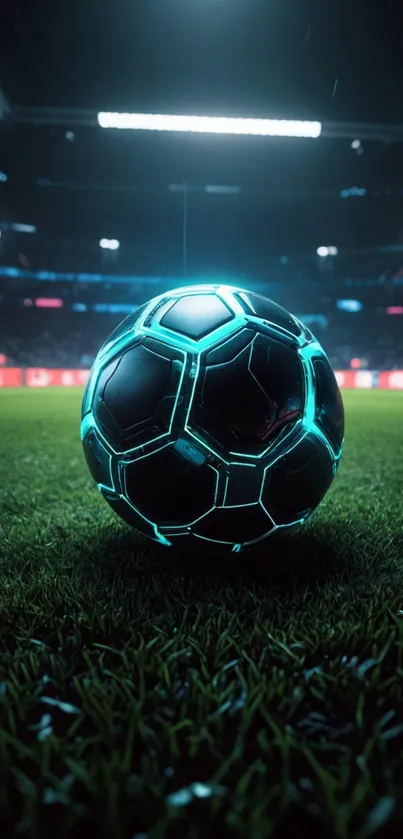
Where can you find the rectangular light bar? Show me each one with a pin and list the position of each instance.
(394, 310)
(211, 125)
(22, 228)
(48, 303)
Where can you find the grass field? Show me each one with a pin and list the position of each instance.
(148, 695)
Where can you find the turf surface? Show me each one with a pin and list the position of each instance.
(146, 695)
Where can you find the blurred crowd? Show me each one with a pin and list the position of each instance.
(60, 339)
(381, 350)
(52, 339)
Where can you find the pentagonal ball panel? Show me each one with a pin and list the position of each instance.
(196, 315)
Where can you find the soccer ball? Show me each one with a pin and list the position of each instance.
(212, 416)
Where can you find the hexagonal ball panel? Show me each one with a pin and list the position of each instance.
(329, 412)
(244, 405)
(168, 489)
(298, 482)
(135, 395)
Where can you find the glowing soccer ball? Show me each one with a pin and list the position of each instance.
(212, 416)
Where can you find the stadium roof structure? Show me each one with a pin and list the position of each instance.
(340, 65)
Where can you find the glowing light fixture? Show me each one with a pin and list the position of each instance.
(349, 305)
(48, 303)
(327, 251)
(394, 310)
(22, 228)
(354, 191)
(109, 244)
(211, 125)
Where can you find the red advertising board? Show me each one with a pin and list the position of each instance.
(42, 377)
(345, 378)
(367, 379)
(363, 379)
(391, 380)
(10, 377)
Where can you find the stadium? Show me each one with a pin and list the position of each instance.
(148, 692)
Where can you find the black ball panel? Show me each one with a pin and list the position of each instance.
(106, 373)
(279, 372)
(97, 458)
(243, 484)
(229, 349)
(135, 395)
(235, 396)
(296, 484)
(245, 405)
(262, 307)
(86, 403)
(126, 512)
(168, 489)
(163, 349)
(139, 436)
(237, 525)
(196, 315)
(329, 412)
(129, 395)
(108, 424)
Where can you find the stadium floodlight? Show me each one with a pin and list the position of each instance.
(211, 125)
(109, 244)
(329, 250)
